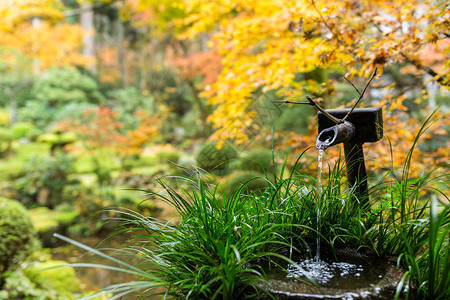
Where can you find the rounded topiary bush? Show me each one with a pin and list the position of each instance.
(168, 157)
(256, 160)
(17, 234)
(22, 129)
(253, 180)
(211, 157)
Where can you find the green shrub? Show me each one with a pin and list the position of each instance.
(60, 86)
(296, 119)
(46, 173)
(57, 140)
(168, 157)
(259, 160)
(61, 138)
(72, 111)
(253, 181)
(127, 102)
(37, 112)
(50, 138)
(6, 138)
(21, 129)
(17, 235)
(211, 158)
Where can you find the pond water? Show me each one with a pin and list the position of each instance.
(93, 279)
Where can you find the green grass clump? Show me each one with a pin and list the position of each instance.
(215, 249)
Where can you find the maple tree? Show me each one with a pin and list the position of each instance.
(101, 128)
(266, 43)
(38, 30)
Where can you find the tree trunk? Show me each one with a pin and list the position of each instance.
(36, 22)
(87, 24)
(12, 99)
(121, 52)
(432, 89)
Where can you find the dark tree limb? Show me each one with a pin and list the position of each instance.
(439, 78)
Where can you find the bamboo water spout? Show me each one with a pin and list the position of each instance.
(361, 126)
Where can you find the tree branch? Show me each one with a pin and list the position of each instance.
(329, 116)
(312, 103)
(313, 3)
(290, 102)
(352, 85)
(439, 78)
(361, 94)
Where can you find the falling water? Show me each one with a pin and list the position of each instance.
(321, 146)
(319, 196)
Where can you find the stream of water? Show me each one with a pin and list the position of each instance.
(319, 196)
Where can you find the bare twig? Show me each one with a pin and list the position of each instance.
(352, 85)
(290, 102)
(361, 94)
(328, 115)
(312, 103)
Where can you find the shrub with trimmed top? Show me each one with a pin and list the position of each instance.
(253, 181)
(259, 160)
(210, 157)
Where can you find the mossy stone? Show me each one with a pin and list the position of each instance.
(45, 219)
(54, 275)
